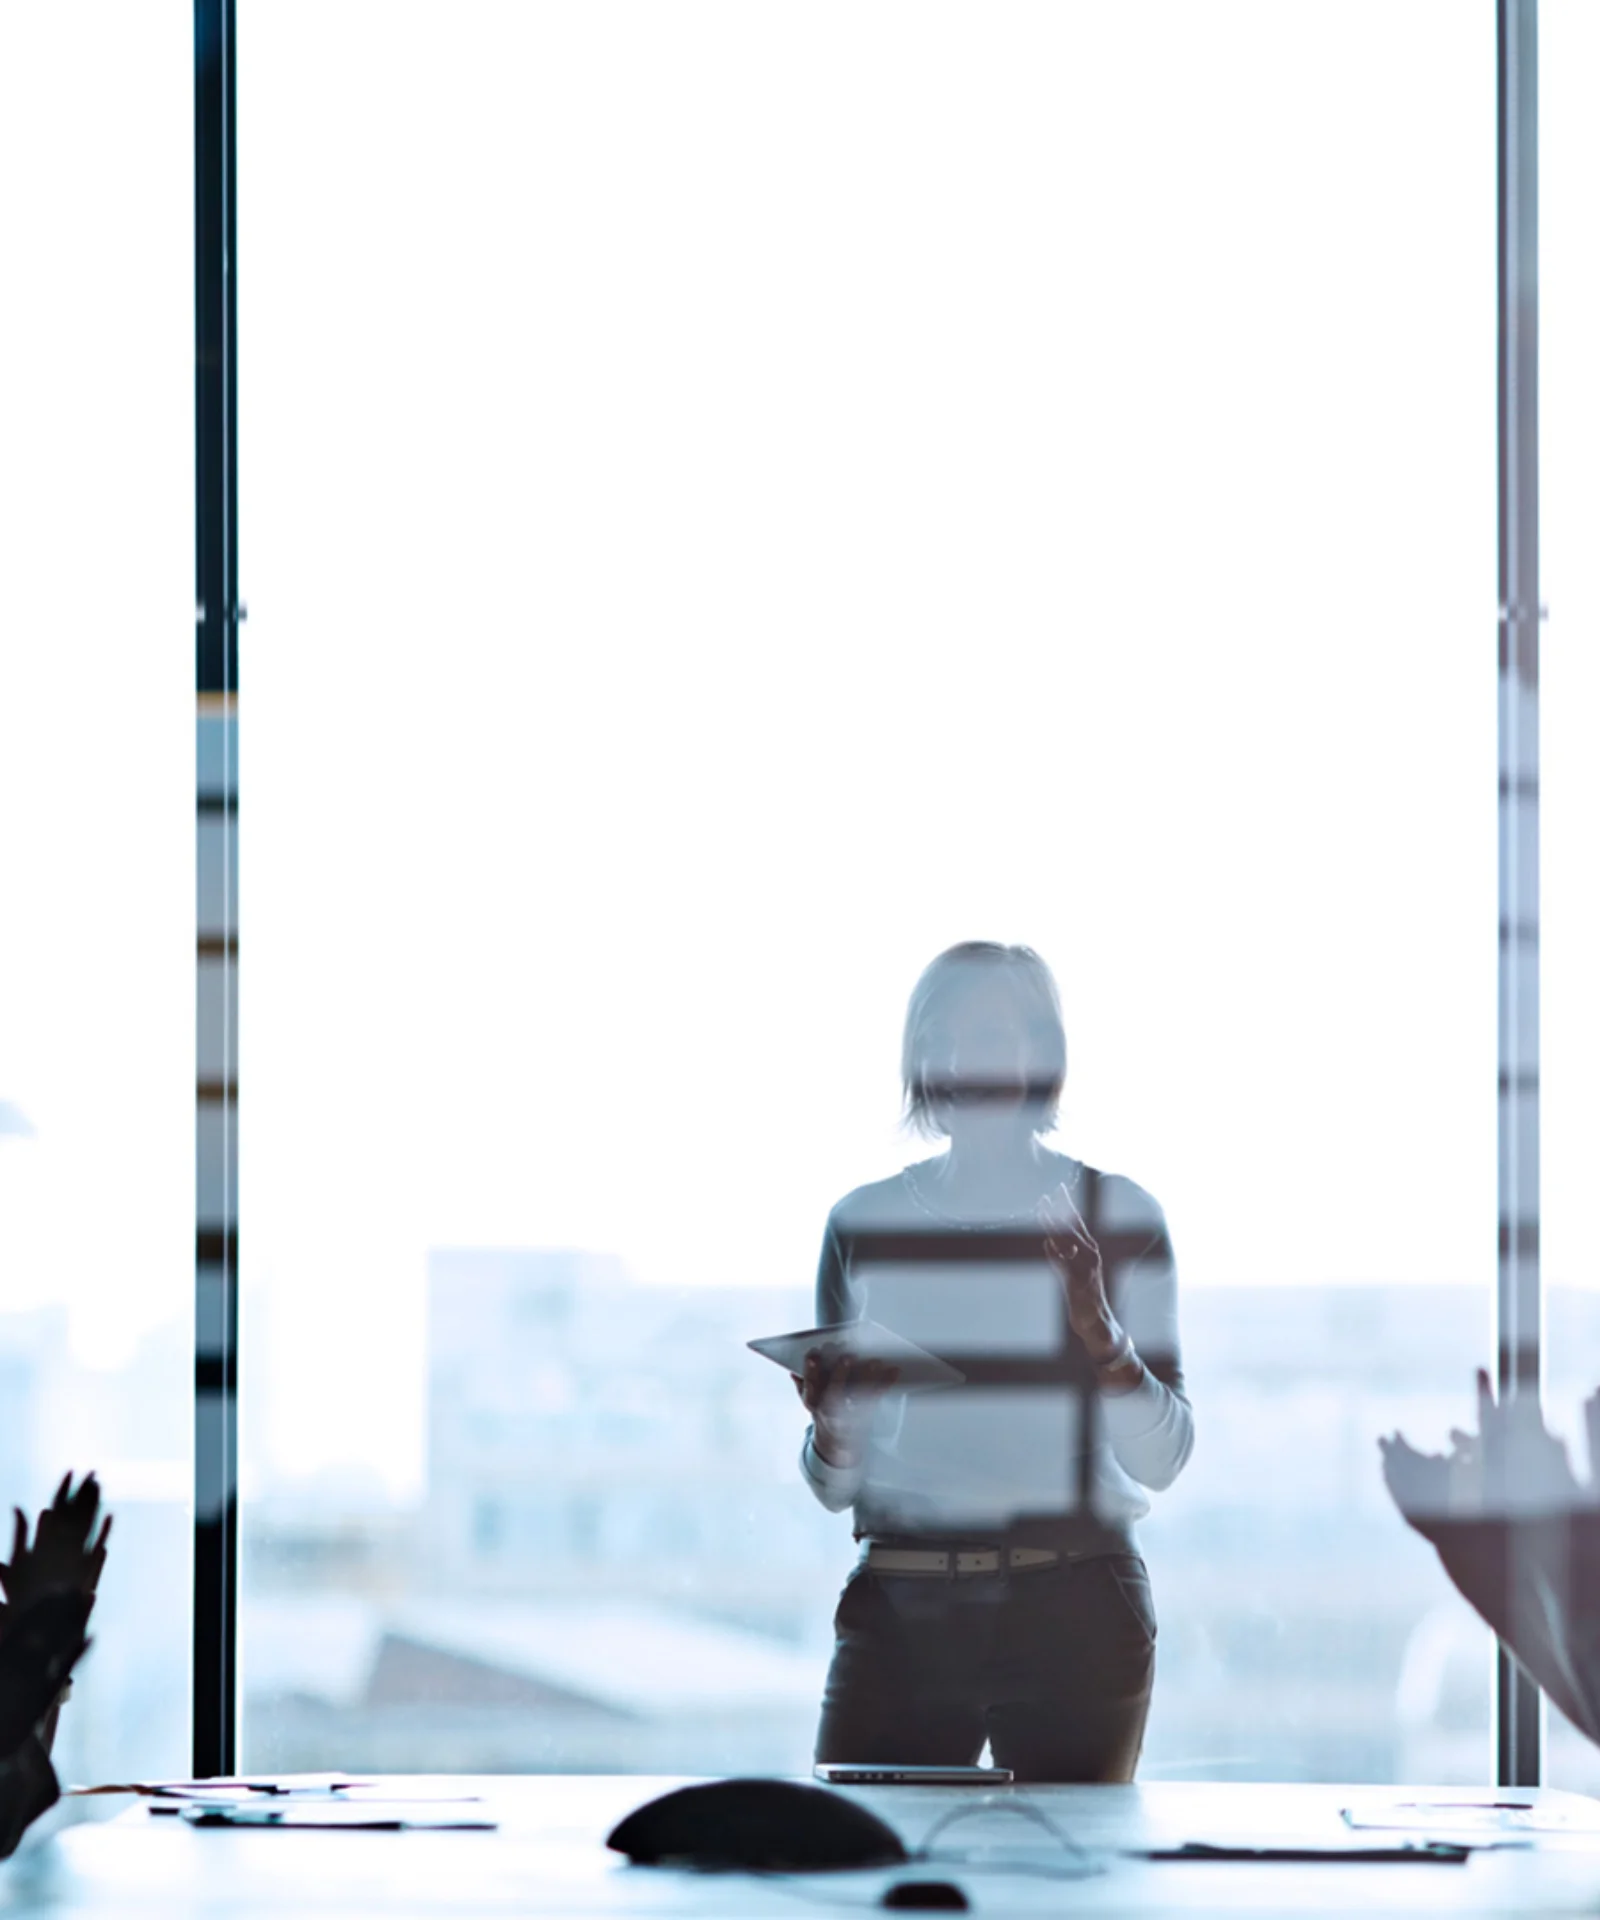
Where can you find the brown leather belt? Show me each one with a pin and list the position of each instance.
(936, 1562)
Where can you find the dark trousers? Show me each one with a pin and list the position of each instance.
(1052, 1666)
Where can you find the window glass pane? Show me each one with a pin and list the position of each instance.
(1569, 323)
(737, 501)
(97, 848)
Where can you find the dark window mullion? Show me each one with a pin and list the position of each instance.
(1517, 1736)
(217, 615)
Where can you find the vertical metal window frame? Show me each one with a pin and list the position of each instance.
(217, 616)
(1520, 1334)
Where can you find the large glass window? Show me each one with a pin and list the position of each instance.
(736, 500)
(1569, 324)
(96, 851)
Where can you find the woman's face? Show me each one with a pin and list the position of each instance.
(979, 1068)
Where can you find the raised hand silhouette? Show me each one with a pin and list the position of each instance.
(66, 1554)
(49, 1587)
(1519, 1534)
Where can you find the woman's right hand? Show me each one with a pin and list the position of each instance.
(841, 1393)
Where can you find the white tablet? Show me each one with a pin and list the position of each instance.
(863, 1340)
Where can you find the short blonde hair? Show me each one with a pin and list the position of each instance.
(946, 981)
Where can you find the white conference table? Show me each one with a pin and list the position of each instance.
(112, 1856)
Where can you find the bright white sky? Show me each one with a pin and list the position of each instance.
(736, 498)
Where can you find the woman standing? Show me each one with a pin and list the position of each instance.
(999, 1595)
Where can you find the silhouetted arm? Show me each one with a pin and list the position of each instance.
(1150, 1427)
(28, 1787)
(1520, 1538)
(1518, 1575)
(49, 1584)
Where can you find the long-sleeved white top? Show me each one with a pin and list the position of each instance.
(1028, 1442)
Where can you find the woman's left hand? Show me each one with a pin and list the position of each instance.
(1076, 1255)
